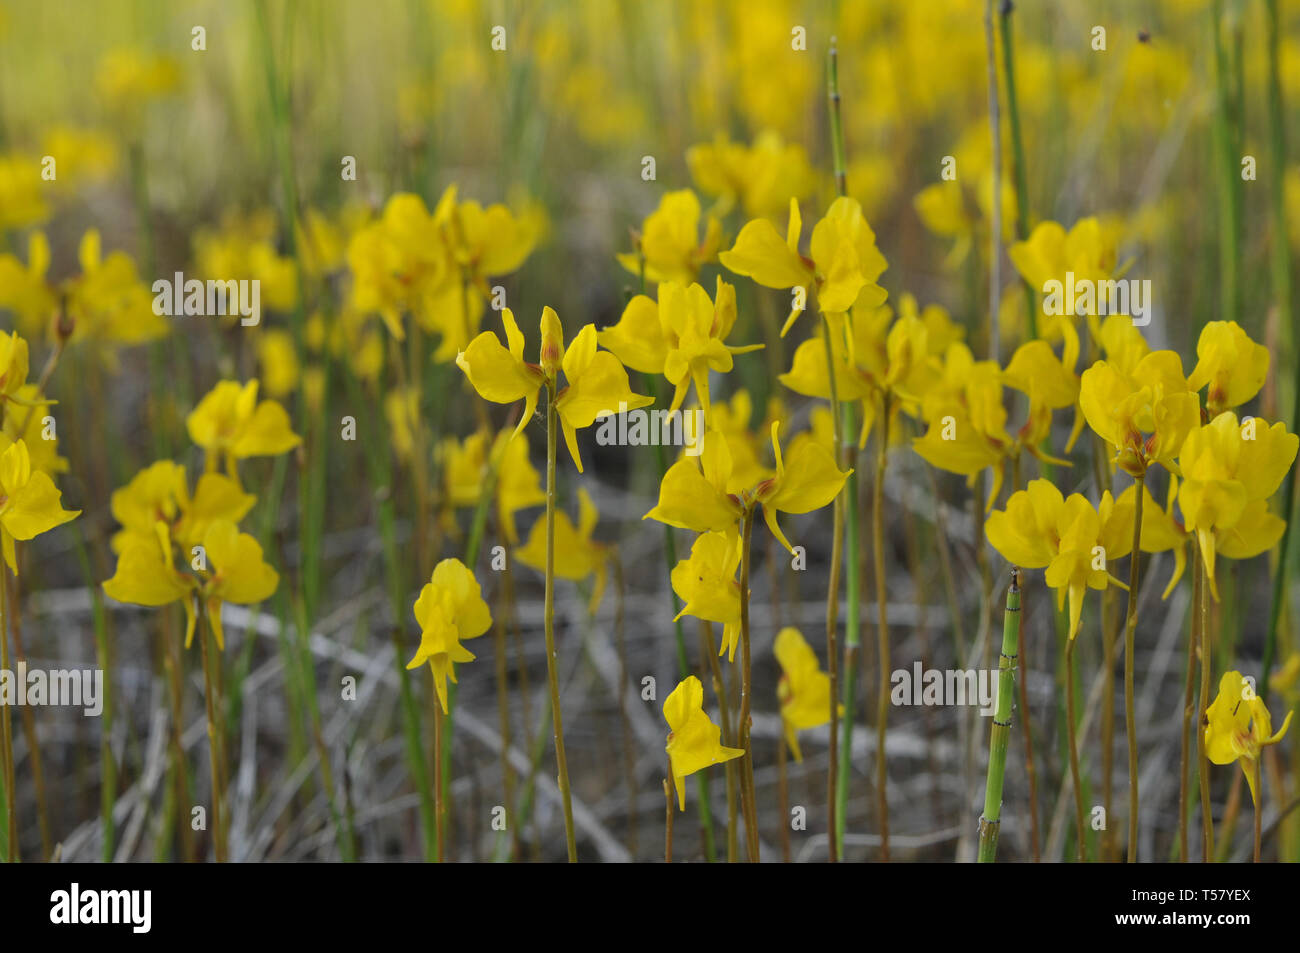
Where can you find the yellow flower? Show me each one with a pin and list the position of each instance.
(238, 573)
(23, 289)
(809, 482)
(13, 366)
(25, 420)
(1040, 529)
(126, 79)
(1049, 382)
(480, 242)
(1230, 469)
(501, 374)
(278, 357)
(1161, 531)
(706, 584)
(967, 419)
(1146, 415)
(160, 494)
(108, 302)
(842, 269)
(22, 201)
(577, 555)
(464, 474)
(761, 177)
(1238, 726)
(1231, 363)
(670, 242)
(450, 608)
(683, 337)
(804, 689)
(1088, 250)
(696, 495)
(402, 412)
(29, 501)
(230, 422)
(146, 575)
(694, 742)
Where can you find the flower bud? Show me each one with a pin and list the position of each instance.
(552, 342)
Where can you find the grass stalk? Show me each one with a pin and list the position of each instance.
(747, 799)
(1130, 633)
(999, 735)
(562, 765)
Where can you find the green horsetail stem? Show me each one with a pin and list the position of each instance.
(991, 819)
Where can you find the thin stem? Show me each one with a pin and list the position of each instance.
(1075, 782)
(552, 428)
(1017, 155)
(668, 821)
(1255, 801)
(724, 715)
(1188, 708)
(1203, 763)
(747, 776)
(999, 735)
(1027, 732)
(214, 749)
(1130, 632)
(7, 737)
(882, 625)
(995, 237)
(439, 804)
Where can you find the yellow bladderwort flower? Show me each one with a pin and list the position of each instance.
(877, 361)
(108, 302)
(670, 245)
(1088, 251)
(402, 413)
(22, 202)
(694, 742)
(465, 469)
(810, 481)
(1050, 383)
(747, 446)
(597, 384)
(966, 419)
(695, 496)
(1230, 469)
(397, 262)
(238, 572)
(1123, 344)
(577, 555)
(1238, 727)
(842, 269)
(760, 178)
(25, 420)
(160, 494)
(277, 356)
(1232, 364)
(229, 568)
(23, 288)
(481, 243)
(29, 501)
(14, 365)
(1146, 415)
(450, 608)
(1072, 540)
(230, 423)
(682, 337)
(804, 689)
(707, 585)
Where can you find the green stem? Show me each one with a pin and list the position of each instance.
(1281, 270)
(999, 735)
(214, 746)
(747, 792)
(1080, 833)
(1203, 764)
(882, 624)
(552, 428)
(1130, 632)
(1017, 152)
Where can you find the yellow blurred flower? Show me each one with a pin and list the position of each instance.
(694, 742)
(450, 608)
(670, 240)
(1238, 727)
(804, 689)
(29, 501)
(577, 555)
(230, 423)
(707, 586)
